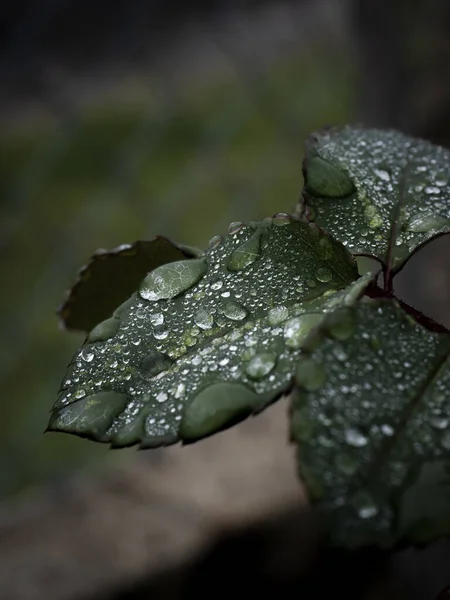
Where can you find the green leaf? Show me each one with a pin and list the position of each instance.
(371, 417)
(111, 277)
(380, 192)
(207, 341)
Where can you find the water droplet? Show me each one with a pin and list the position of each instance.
(281, 219)
(154, 363)
(215, 406)
(261, 365)
(431, 189)
(79, 394)
(234, 311)
(323, 179)
(160, 332)
(86, 355)
(277, 315)
(172, 279)
(157, 319)
(373, 216)
(422, 223)
(179, 391)
(310, 375)
(296, 330)
(382, 174)
(246, 254)
(215, 241)
(365, 505)
(161, 397)
(387, 430)
(204, 319)
(324, 275)
(234, 227)
(104, 330)
(346, 464)
(355, 438)
(340, 324)
(441, 179)
(439, 422)
(216, 284)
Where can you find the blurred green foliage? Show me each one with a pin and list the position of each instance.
(179, 162)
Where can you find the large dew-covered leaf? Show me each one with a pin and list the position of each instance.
(206, 341)
(375, 189)
(371, 416)
(111, 277)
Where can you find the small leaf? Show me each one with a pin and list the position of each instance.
(380, 192)
(208, 341)
(112, 276)
(371, 417)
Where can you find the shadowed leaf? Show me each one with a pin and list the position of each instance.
(207, 341)
(111, 277)
(371, 417)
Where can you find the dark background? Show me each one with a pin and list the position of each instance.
(122, 120)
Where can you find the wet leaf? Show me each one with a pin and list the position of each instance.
(207, 341)
(111, 277)
(371, 417)
(373, 189)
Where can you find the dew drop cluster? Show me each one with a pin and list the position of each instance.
(237, 316)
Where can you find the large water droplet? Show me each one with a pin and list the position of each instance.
(86, 355)
(365, 505)
(234, 311)
(261, 365)
(340, 324)
(310, 375)
(91, 416)
(235, 227)
(280, 219)
(422, 223)
(172, 279)
(246, 254)
(323, 179)
(204, 318)
(439, 422)
(104, 330)
(154, 363)
(160, 332)
(324, 275)
(382, 174)
(277, 315)
(215, 241)
(215, 406)
(355, 438)
(161, 397)
(296, 330)
(157, 319)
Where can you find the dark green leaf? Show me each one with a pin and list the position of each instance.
(207, 341)
(111, 277)
(379, 192)
(371, 416)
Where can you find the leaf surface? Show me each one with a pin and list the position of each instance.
(371, 417)
(378, 191)
(111, 277)
(207, 341)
